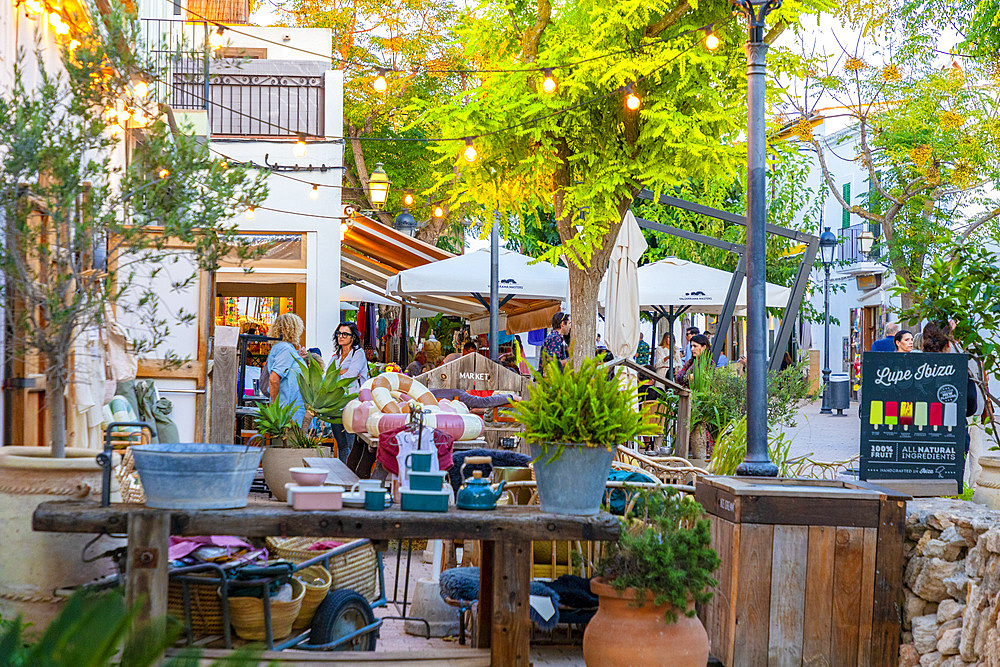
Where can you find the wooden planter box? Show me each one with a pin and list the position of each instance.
(812, 571)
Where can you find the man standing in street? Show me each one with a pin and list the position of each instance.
(691, 331)
(642, 352)
(887, 344)
(555, 344)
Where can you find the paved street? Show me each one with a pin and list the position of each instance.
(825, 437)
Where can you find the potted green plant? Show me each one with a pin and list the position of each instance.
(648, 583)
(324, 393)
(273, 420)
(573, 421)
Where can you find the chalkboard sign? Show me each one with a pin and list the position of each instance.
(913, 416)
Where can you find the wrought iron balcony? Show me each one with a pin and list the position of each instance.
(242, 96)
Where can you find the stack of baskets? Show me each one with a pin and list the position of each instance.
(355, 570)
(247, 614)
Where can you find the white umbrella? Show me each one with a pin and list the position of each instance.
(470, 274)
(364, 292)
(677, 282)
(621, 329)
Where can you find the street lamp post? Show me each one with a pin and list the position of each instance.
(827, 244)
(757, 461)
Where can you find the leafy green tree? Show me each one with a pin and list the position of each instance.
(411, 39)
(580, 148)
(962, 286)
(79, 228)
(929, 143)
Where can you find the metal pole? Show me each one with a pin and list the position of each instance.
(825, 410)
(757, 462)
(495, 287)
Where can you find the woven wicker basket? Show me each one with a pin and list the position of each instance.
(314, 593)
(247, 615)
(356, 570)
(206, 605)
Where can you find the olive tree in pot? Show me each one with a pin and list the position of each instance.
(574, 420)
(81, 233)
(648, 583)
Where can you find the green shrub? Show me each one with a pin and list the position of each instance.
(731, 448)
(666, 551)
(586, 406)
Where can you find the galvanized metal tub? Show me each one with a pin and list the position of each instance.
(196, 476)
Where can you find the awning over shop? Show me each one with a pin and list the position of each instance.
(372, 252)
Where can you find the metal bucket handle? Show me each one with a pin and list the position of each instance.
(105, 458)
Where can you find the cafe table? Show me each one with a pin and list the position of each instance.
(505, 565)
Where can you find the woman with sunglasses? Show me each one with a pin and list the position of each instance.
(350, 360)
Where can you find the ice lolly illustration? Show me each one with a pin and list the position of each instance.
(937, 415)
(891, 414)
(906, 415)
(875, 414)
(950, 415)
(920, 414)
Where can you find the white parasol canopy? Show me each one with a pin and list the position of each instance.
(621, 331)
(679, 283)
(470, 274)
(364, 292)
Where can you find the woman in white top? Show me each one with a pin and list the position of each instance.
(661, 355)
(350, 360)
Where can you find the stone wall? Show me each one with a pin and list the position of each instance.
(951, 585)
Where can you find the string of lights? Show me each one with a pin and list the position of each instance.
(631, 100)
(380, 85)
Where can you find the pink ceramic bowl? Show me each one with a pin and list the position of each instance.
(308, 476)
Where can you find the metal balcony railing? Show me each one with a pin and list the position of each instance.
(243, 97)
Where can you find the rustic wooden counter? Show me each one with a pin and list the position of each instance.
(505, 572)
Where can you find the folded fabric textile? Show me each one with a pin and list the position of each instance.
(323, 545)
(462, 583)
(388, 449)
(574, 592)
(182, 546)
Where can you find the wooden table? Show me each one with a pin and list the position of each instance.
(505, 566)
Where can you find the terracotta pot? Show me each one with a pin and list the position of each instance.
(276, 463)
(34, 565)
(623, 634)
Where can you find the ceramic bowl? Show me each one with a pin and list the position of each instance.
(308, 476)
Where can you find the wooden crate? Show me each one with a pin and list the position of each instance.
(812, 571)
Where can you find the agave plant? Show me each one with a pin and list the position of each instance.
(324, 393)
(274, 419)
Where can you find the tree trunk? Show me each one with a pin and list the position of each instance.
(55, 390)
(583, 286)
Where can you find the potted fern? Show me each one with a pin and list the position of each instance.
(648, 583)
(573, 421)
(324, 394)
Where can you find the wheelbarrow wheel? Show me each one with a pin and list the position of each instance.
(341, 613)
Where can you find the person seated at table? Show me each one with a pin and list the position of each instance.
(418, 365)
